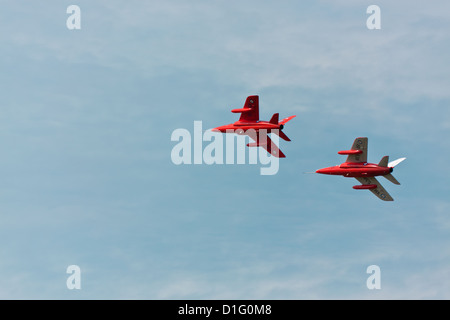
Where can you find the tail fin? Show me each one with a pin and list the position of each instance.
(384, 161)
(274, 119)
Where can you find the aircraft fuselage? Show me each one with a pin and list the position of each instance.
(240, 126)
(356, 169)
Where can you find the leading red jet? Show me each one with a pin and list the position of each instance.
(356, 166)
(249, 124)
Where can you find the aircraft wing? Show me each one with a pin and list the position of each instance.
(250, 111)
(379, 191)
(263, 140)
(359, 144)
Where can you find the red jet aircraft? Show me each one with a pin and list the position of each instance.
(356, 166)
(249, 124)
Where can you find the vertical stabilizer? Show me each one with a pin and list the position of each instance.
(274, 119)
(384, 161)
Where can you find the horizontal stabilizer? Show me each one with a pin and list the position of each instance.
(395, 162)
(391, 178)
(281, 134)
(286, 119)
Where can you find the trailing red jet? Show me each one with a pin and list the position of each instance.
(356, 166)
(249, 124)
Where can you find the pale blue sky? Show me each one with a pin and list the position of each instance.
(87, 179)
